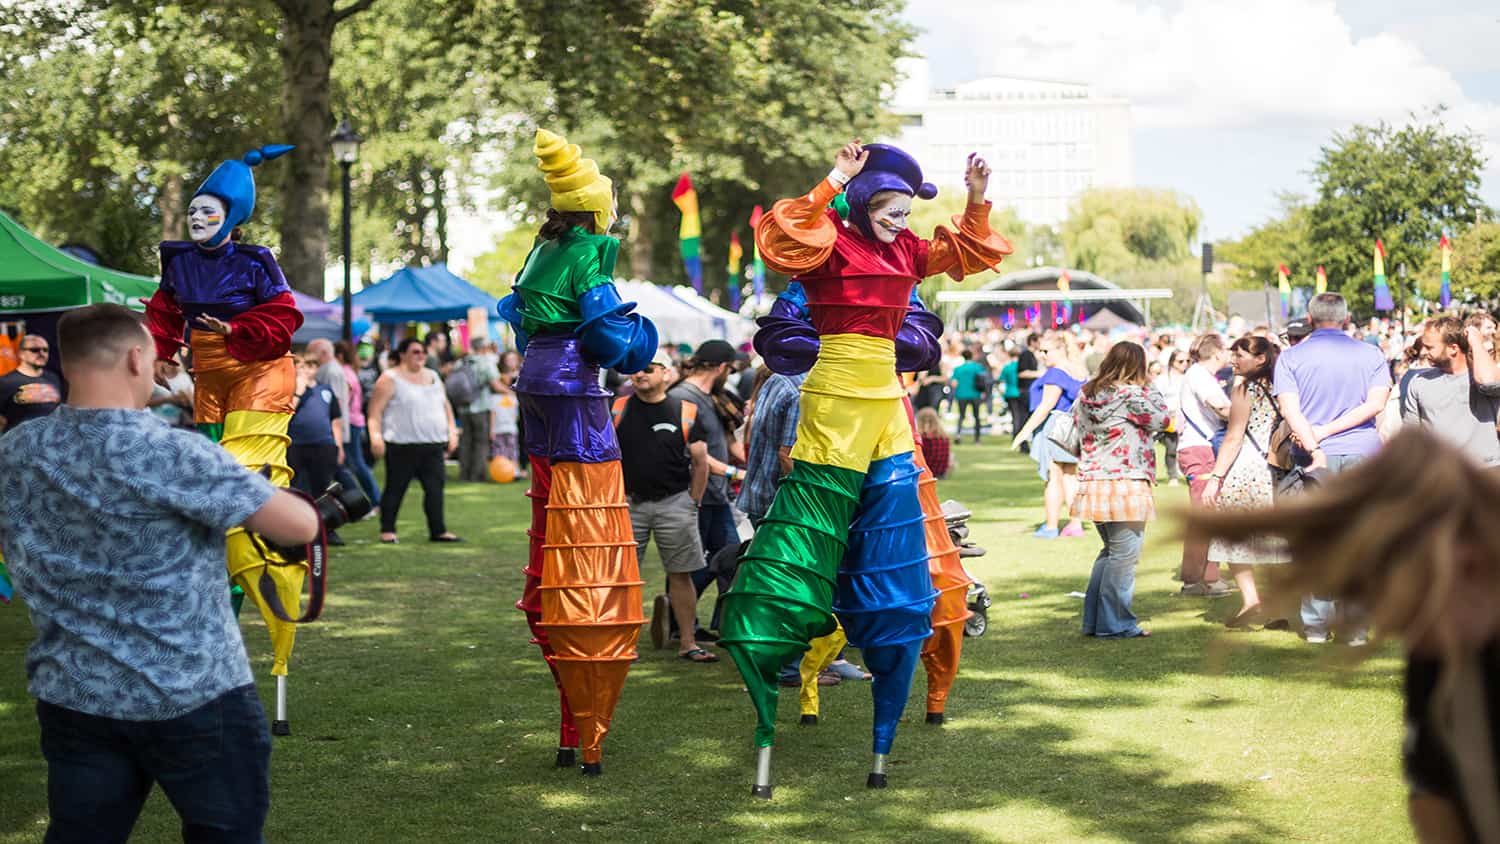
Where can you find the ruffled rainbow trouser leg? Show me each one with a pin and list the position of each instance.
(583, 588)
(246, 407)
(940, 654)
(850, 499)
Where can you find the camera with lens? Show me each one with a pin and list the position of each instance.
(336, 507)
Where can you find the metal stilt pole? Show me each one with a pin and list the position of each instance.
(762, 787)
(280, 727)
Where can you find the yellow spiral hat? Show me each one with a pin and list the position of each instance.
(575, 181)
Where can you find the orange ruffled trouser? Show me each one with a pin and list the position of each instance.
(246, 407)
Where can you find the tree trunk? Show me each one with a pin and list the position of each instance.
(171, 205)
(640, 239)
(440, 212)
(307, 61)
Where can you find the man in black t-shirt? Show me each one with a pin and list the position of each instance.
(1027, 367)
(665, 477)
(29, 391)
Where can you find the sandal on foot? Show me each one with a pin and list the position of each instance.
(849, 671)
(391, 541)
(699, 655)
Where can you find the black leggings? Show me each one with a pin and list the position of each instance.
(1017, 407)
(972, 406)
(403, 462)
(313, 466)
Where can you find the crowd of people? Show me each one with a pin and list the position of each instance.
(1248, 417)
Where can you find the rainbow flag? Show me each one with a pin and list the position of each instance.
(1284, 284)
(691, 230)
(1065, 283)
(735, 253)
(1382, 290)
(1322, 284)
(757, 266)
(1445, 296)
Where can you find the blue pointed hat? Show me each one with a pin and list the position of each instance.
(887, 168)
(234, 185)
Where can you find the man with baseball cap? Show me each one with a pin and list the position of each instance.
(1295, 330)
(665, 471)
(703, 379)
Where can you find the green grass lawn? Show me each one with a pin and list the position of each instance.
(420, 713)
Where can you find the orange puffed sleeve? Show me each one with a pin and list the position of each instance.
(798, 235)
(972, 248)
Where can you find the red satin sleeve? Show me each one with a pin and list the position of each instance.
(165, 322)
(798, 235)
(265, 331)
(970, 249)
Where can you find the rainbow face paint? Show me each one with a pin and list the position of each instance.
(205, 217)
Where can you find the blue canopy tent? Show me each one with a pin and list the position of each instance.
(422, 294)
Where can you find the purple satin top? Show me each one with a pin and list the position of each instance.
(222, 283)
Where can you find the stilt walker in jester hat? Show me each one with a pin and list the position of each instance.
(845, 532)
(230, 304)
(583, 588)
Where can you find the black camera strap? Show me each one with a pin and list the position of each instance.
(317, 573)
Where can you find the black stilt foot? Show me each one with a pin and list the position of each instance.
(935, 718)
(809, 721)
(566, 757)
(875, 781)
(761, 791)
(592, 769)
(281, 728)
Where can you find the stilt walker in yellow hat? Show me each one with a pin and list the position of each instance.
(583, 587)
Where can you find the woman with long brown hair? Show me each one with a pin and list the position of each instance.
(1242, 477)
(1410, 536)
(1117, 413)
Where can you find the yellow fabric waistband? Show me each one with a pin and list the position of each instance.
(855, 365)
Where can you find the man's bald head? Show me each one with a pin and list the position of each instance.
(321, 349)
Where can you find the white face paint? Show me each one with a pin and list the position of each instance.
(889, 214)
(205, 217)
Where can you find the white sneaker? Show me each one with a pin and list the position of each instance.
(1315, 638)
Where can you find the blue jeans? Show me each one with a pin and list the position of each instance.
(354, 461)
(1318, 614)
(1106, 604)
(717, 529)
(212, 763)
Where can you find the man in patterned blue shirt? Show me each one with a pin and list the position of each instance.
(773, 432)
(112, 524)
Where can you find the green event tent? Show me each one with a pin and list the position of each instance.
(36, 277)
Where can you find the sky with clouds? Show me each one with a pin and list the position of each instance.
(1231, 100)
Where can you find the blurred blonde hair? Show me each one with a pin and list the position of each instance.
(928, 423)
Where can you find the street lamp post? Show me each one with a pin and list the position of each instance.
(346, 151)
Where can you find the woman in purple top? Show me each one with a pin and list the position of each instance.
(1052, 396)
(354, 449)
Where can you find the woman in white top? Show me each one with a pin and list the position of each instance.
(1169, 384)
(411, 426)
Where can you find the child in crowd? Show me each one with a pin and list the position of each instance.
(935, 444)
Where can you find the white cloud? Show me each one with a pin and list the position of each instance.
(1214, 63)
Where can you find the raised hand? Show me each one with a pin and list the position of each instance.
(851, 159)
(976, 178)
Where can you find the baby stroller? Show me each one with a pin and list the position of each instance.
(957, 517)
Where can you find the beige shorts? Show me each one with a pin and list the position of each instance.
(674, 522)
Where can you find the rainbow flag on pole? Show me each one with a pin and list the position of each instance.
(757, 266)
(691, 230)
(1382, 291)
(1065, 283)
(1284, 285)
(1445, 296)
(1322, 284)
(736, 251)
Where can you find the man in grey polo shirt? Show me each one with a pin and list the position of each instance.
(1459, 397)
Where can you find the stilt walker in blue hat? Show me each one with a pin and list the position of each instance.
(229, 303)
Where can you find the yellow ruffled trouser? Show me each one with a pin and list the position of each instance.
(247, 407)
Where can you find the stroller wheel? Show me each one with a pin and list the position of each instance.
(979, 621)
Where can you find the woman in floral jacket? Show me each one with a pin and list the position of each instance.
(1118, 413)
